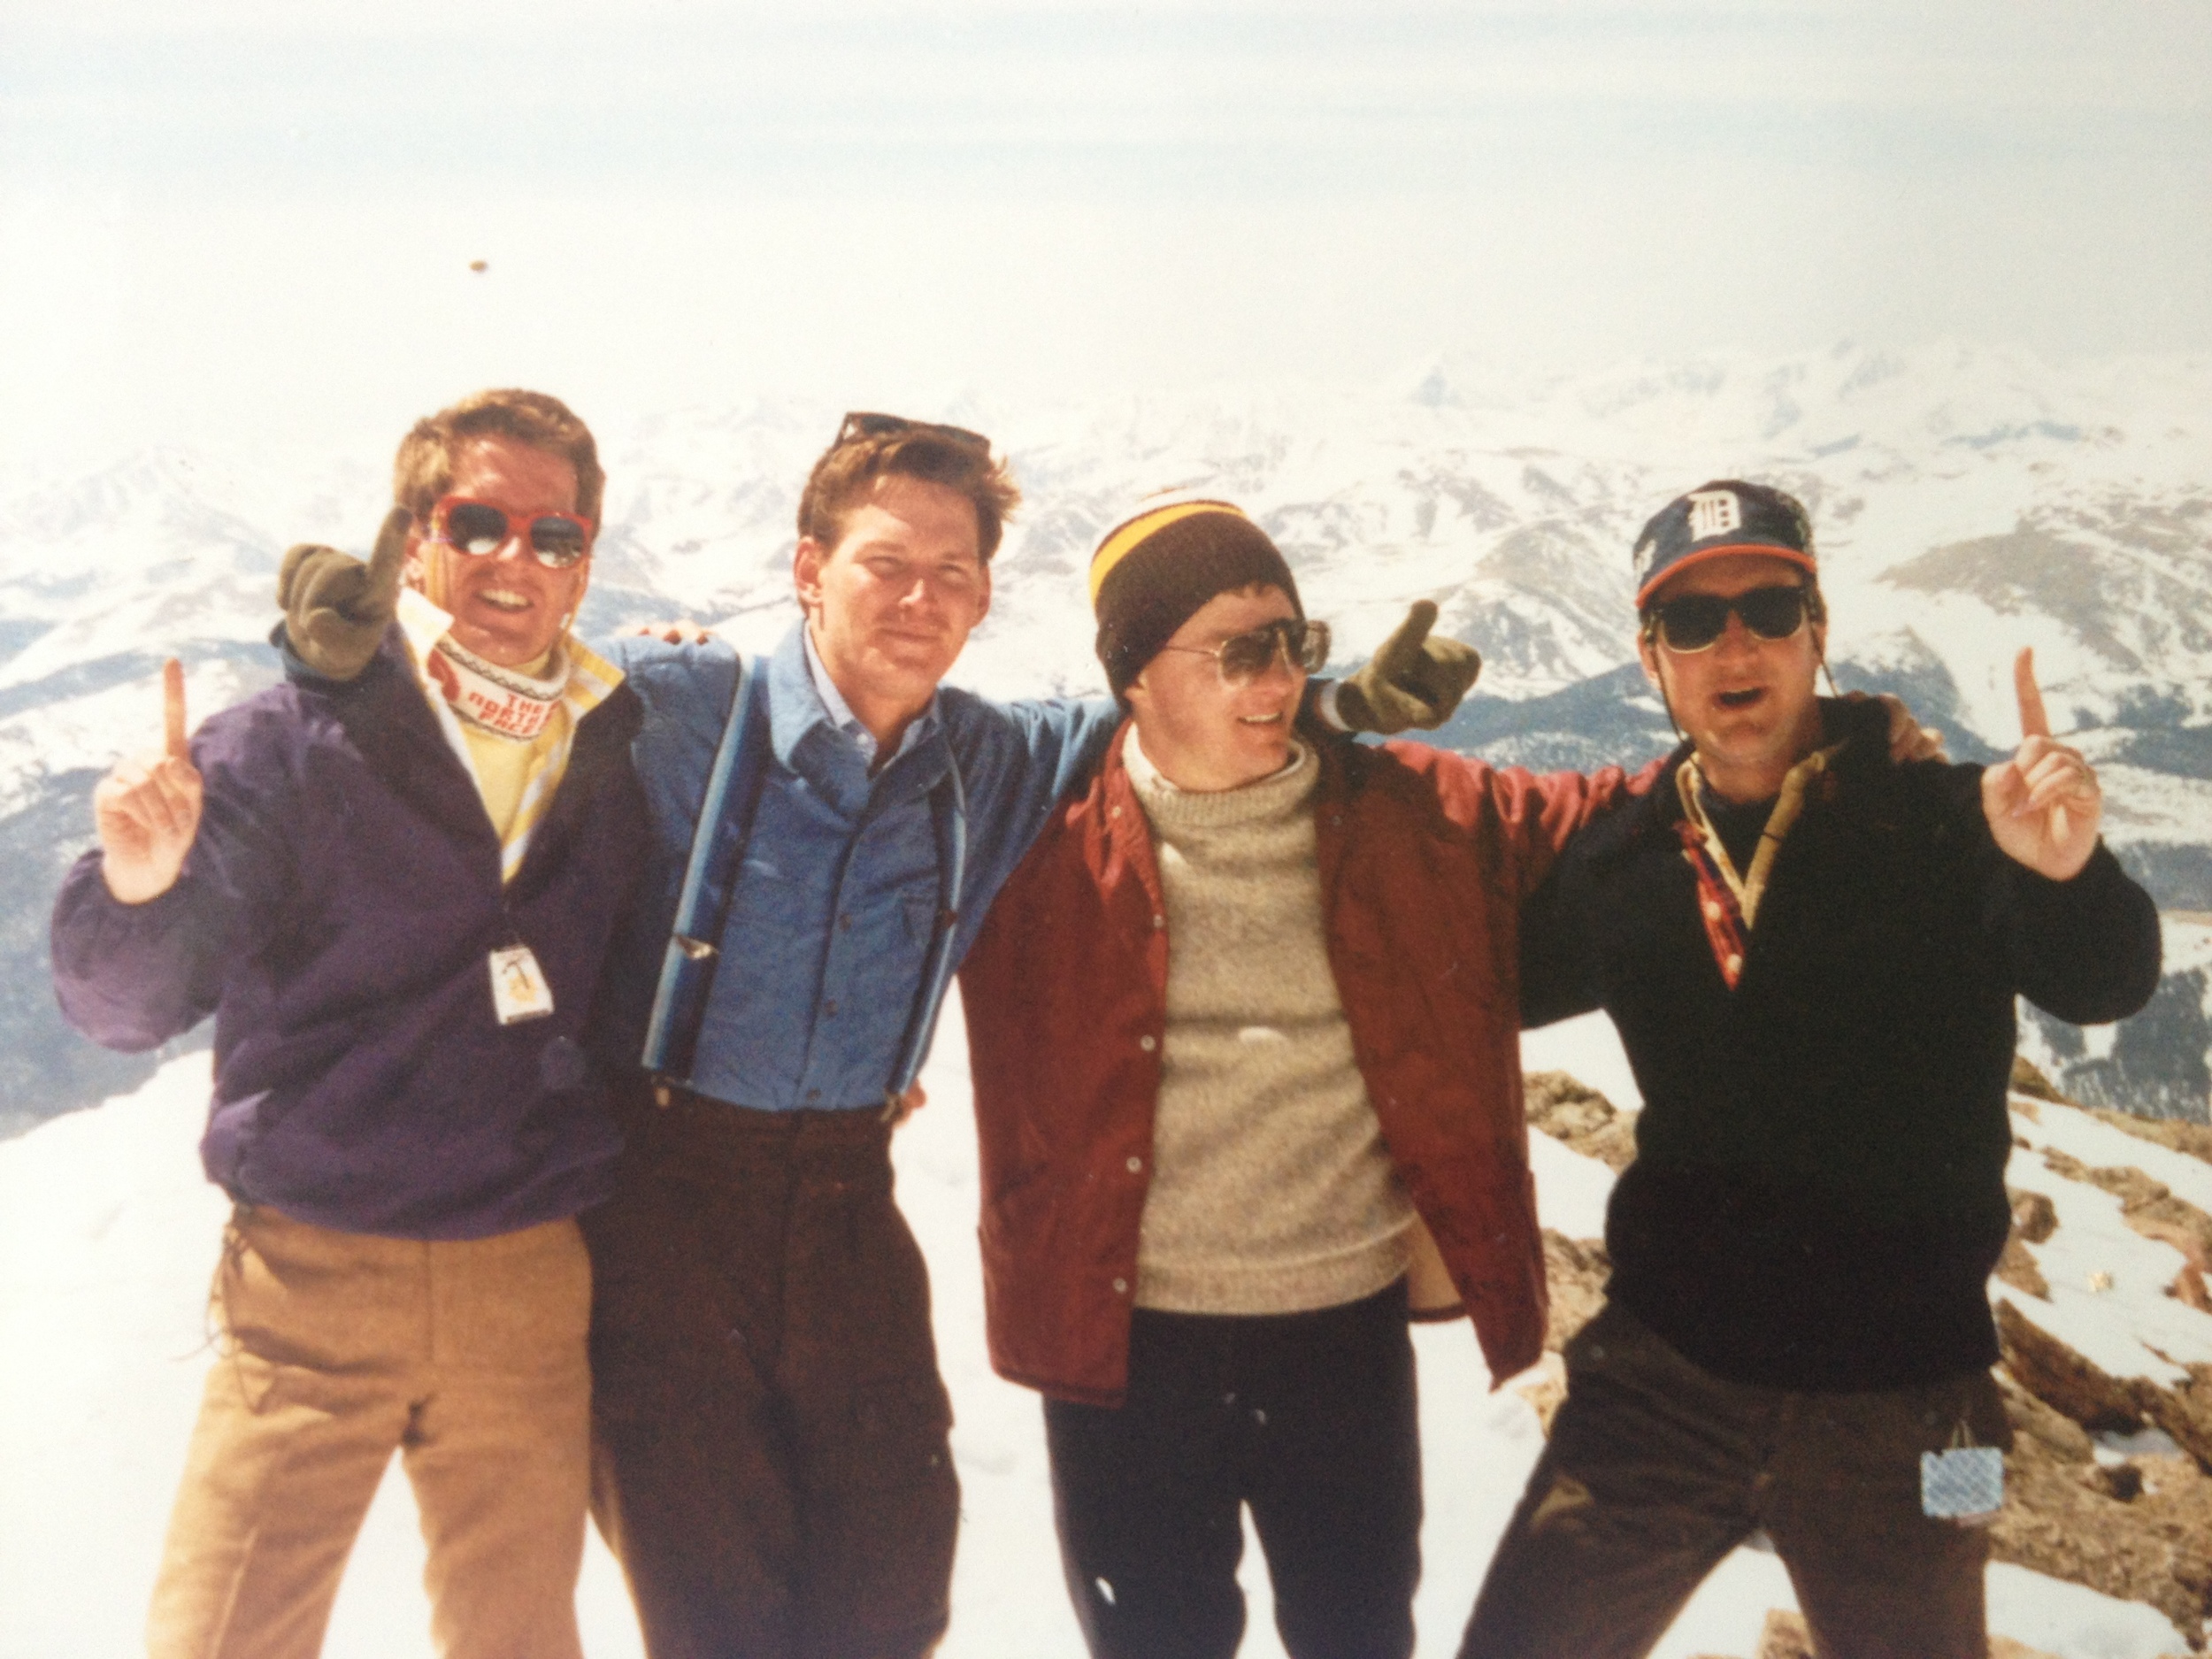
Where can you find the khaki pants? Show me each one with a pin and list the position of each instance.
(1656, 1469)
(468, 1357)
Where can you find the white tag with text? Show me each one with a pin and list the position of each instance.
(518, 988)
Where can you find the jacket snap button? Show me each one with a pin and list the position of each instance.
(1146, 1043)
(1135, 1164)
(1121, 1286)
(1159, 922)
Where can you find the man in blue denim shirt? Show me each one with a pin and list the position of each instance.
(771, 1457)
(772, 1463)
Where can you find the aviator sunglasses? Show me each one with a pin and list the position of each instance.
(1244, 658)
(555, 540)
(1696, 621)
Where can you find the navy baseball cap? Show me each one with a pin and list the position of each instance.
(1726, 516)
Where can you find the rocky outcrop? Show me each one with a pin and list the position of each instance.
(2065, 1380)
(2152, 1210)
(2137, 1527)
(1583, 1118)
(2033, 1220)
(1577, 1270)
(1785, 1637)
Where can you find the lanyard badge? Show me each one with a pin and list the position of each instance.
(518, 988)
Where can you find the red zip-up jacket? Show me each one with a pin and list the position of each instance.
(1423, 860)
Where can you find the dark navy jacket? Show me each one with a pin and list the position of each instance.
(1818, 1193)
(336, 915)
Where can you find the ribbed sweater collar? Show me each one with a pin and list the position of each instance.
(1169, 807)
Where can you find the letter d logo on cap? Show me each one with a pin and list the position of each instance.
(1714, 512)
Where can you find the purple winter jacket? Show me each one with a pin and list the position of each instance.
(336, 914)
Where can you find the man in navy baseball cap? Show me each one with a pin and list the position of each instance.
(1727, 516)
(1812, 954)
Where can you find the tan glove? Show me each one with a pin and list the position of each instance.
(1415, 680)
(337, 608)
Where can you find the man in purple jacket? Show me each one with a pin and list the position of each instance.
(394, 895)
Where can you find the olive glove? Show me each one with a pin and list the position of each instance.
(337, 608)
(1415, 680)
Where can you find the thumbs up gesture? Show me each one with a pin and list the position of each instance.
(148, 809)
(1416, 679)
(337, 608)
(2043, 805)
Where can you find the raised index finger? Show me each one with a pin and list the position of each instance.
(173, 709)
(391, 550)
(2033, 721)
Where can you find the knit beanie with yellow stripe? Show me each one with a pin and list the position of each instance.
(1153, 571)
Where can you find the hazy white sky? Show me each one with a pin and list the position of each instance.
(240, 219)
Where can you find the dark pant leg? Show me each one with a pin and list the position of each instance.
(879, 1501)
(1650, 1477)
(692, 1482)
(1147, 1501)
(1876, 1579)
(1334, 1474)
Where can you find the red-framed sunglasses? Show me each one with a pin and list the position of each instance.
(555, 540)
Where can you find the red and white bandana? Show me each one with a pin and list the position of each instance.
(1727, 901)
(493, 699)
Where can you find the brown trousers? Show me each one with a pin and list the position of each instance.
(771, 1459)
(466, 1357)
(1656, 1469)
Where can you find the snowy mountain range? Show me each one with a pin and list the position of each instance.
(1967, 500)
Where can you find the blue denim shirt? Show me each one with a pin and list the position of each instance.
(823, 952)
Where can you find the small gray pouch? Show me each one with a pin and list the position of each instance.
(1965, 1483)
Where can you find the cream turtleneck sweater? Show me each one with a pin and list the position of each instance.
(1271, 1190)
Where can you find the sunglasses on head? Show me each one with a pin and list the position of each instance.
(557, 540)
(1696, 621)
(1244, 658)
(865, 423)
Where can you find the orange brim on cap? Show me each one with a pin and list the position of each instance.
(1698, 556)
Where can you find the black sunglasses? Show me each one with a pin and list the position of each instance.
(1244, 658)
(557, 540)
(1696, 621)
(866, 424)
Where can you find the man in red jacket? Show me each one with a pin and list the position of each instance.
(1241, 1024)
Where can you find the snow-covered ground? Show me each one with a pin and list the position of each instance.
(107, 1242)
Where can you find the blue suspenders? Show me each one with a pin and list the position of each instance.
(717, 847)
(717, 851)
